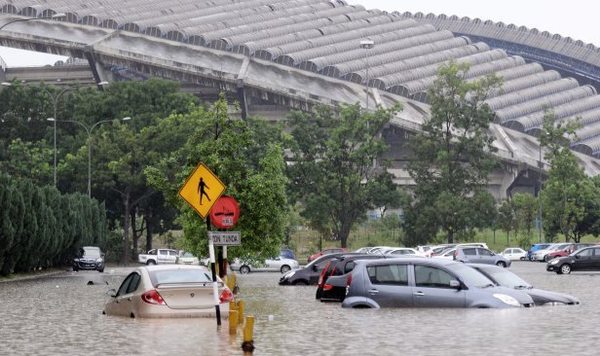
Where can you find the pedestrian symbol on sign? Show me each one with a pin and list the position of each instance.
(202, 189)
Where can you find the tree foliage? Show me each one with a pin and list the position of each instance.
(332, 171)
(452, 156)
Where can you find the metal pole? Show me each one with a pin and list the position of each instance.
(55, 119)
(211, 251)
(367, 45)
(540, 196)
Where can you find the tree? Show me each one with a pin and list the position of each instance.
(507, 221)
(332, 169)
(525, 206)
(250, 165)
(569, 196)
(452, 155)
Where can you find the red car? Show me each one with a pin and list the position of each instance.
(568, 250)
(326, 252)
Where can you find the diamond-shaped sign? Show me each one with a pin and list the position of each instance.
(202, 189)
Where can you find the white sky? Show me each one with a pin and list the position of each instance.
(575, 18)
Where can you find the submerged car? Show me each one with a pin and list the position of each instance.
(187, 258)
(425, 282)
(585, 259)
(89, 258)
(166, 291)
(506, 278)
(277, 264)
(309, 274)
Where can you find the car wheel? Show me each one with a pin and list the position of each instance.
(522, 258)
(285, 268)
(546, 258)
(150, 263)
(565, 269)
(244, 270)
(101, 270)
(501, 264)
(75, 269)
(300, 282)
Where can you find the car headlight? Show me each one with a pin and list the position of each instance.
(554, 303)
(289, 274)
(507, 299)
(554, 261)
(98, 260)
(76, 260)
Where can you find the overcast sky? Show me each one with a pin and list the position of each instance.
(577, 19)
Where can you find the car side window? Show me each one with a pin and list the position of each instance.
(135, 282)
(349, 267)
(125, 285)
(388, 274)
(426, 276)
(586, 253)
(469, 251)
(172, 253)
(484, 252)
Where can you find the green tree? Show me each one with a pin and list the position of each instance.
(525, 206)
(568, 191)
(251, 167)
(452, 155)
(507, 220)
(333, 172)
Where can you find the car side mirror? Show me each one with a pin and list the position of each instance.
(314, 267)
(102, 254)
(112, 293)
(576, 256)
(455, 284)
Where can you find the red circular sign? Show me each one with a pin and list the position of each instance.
(225, 212)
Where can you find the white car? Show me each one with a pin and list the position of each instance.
(280, 264)
(400, 251)
(542, 255)
(187, 258)
(447, 254)
(514, 253)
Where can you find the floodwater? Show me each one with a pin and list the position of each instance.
(62, 315)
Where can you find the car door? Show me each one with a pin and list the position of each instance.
(317, 268)
(596, 259)
(123, 303)
(432, 289)
(389, 285)
(584, 260)
(173, 256)
(273, 264)
(486, 256)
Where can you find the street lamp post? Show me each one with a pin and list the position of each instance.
(541, 166)
(55, 16)
(54, 98)
(367, 45)
(88, 130)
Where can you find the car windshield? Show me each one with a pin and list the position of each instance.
(187, 254)
(470, 276)
(505, 278)
(91, 252)
(179, 276)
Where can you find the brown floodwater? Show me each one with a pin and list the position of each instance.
(62, 315)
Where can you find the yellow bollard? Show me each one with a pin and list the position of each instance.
(231, 281)
(240, 308)
(233, 306)
(233, 321)
(248, 343)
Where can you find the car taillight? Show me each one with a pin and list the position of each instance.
(153, 297)
(348, 283)
(226, 296)
(327, 287)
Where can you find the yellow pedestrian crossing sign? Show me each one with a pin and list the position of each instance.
(202, 189)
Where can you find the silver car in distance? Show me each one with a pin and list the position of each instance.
(427, 283)
(167, 291)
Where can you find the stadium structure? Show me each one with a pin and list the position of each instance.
(277, 55)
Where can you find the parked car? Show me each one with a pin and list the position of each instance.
(426, 282)
(187, 258)
(308, 275)
(334, 278)
(287, 253)
(159, 256)
(89, 258)
(447, 254)
(535, 247)
(543, 255)
(398, 251)
(505, 278)
(326, 252)
(277, 264)
(168, 291)
(514, 254)
(480, 255)
(585, 259)
(568, 250)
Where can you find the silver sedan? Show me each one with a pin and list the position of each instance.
(167, 291)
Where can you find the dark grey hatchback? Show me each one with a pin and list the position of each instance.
(89, 258)
(425, 282)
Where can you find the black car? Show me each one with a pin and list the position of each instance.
(585, 259)
(308, 274)
(503, 277)
(89, 258)
(334, 278)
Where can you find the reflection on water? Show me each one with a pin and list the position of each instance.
(61, 315)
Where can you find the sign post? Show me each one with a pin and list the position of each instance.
(224, 215)
(201, 190)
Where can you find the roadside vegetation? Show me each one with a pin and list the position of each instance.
(307, 186)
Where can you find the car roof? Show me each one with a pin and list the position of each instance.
(412, 260)
(173, 266)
